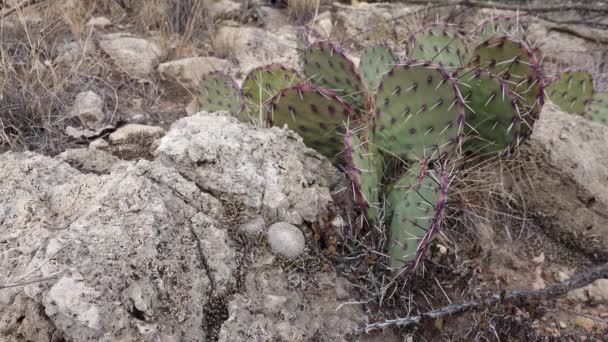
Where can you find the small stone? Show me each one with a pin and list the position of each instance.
(539, 259)
(188, 72)
(192, 107)
(88, 107)
(253, 226)
(135, 56)
(286, 239)
(337, 223)
(101, 22)
(596, 292)
(99, 144)
(585, 323)
(562, 325)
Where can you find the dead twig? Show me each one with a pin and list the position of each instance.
(579, 280)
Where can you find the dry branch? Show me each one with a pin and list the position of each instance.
(578, 280)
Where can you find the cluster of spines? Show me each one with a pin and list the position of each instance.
(439, 44)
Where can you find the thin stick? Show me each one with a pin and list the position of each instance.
(579, 280)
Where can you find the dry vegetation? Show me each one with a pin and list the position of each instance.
(40, 75)
(303, 10)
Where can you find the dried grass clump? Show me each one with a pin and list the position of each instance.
(303, 10)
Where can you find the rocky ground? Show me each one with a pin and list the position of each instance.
(136, 217)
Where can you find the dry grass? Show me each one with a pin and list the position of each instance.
(303, 10)
(224, 42)
(37, 89)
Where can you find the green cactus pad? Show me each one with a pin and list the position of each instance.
(328, 67)
(375, 62)
(598, 108)
(261, 84)
(418, 112)
(439, 44)
(497, 26)
(571, 91)
(492, 120)
(364, 168)
(417, 200)
(514, 62)
(218, 91)
(317, 114)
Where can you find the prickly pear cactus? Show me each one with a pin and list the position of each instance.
(493, 122)
(317, 114)
(261, 84)
(364, 168)
(417, 201)
(513, 61)
(498, 26)
(439, 44)
(598, 108)
(328, 67)
(218, 91)
(375, 62)
(571, 91)
(418, 112)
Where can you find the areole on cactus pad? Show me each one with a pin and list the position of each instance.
(571, 91)
(497, 26)
(416, 202)
(440, 44)
(326, 66)
(514, 62)
(493, 122)
(418, 112)
(262, 83)
(364, 168)
(317, 114)
(219, 92)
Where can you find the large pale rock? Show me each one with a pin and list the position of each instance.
(596, 292)
(188, 72)
(135, 56)
(568, 171)
(255, 47)
(133, 255)
(286, 239)
(268, 170)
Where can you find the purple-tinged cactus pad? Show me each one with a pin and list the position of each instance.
(571, 91)
(419, 112)
(261, 84)
(498, 26)
(439, 44)
(514, 62)
(417, 201)
(317, 114)
(364, 168)
(375, 62)
(218, 91)
(598, 108)
(328, 67)
(492, 121)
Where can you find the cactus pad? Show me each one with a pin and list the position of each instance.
(498, 26)
(571, 91)
(364, 168)
(262, 83)
(514, 62)
(375, 62)
(439, 44)
(218, 91)
(492, 120)
(418, 112)
(326, 66)
(317, 114)
(417, 200)
(598, 108)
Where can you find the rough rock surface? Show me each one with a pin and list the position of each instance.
(569, 176)
(255, 47)
(267, 170)
(188, 72)
(127, 253)
(135, 141)
(135, 56)
(275, 307)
